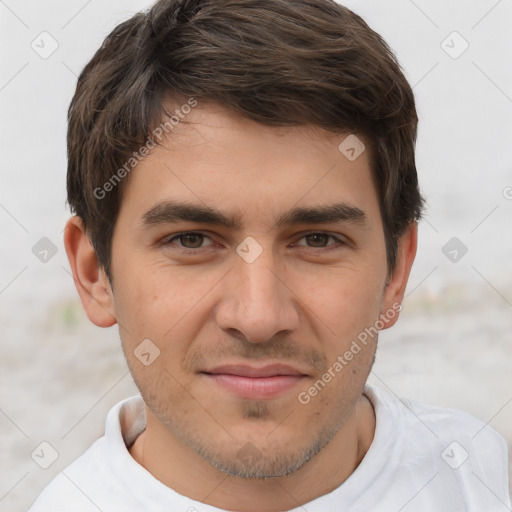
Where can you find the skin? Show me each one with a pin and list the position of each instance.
(301, 302)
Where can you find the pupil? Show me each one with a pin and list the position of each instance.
(319, 240)
(192, 241)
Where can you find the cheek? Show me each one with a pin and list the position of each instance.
(154, 298)
(345, 300)
(166, 306)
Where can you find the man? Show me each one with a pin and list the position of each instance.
(243, 180)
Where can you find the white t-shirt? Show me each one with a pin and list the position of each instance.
(422, 458)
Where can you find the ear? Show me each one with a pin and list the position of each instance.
(395, 289)
(90, 279)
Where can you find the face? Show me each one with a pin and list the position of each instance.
(251, 257)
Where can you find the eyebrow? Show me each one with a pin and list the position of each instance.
(169, 212)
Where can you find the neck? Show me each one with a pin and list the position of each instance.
(191, 475)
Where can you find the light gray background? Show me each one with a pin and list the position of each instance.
(452, 347)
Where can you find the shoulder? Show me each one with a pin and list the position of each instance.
(436, 423)
(90, 481)
(66, 487)
(459, 427)
(466, 458)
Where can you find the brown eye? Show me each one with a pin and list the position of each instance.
(317, 239)
(191, 240)
(188, 240)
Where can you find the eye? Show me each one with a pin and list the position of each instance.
(319, 240)
(190, 240)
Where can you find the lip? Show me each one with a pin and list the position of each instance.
(253, 382)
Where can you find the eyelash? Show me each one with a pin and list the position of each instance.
(190, 250)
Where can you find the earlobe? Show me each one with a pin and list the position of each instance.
(90, 280)
(395, 289)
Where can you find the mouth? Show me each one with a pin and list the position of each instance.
(256, 383)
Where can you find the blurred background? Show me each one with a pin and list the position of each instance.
(453, 344)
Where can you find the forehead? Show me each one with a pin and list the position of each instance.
(220, 159)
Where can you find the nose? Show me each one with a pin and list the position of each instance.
(258, 303)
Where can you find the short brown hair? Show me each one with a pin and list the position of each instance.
(278, 62)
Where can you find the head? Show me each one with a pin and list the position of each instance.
(239, 120)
